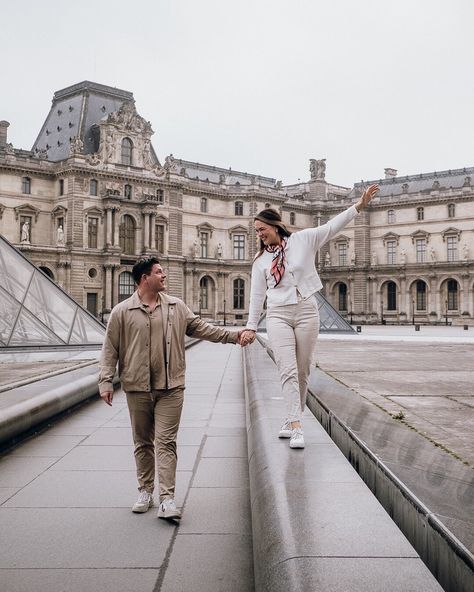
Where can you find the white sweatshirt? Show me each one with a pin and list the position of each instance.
(300, 272)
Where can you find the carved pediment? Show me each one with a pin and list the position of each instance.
(59, 212)
(418, 234)
(238, 229)
(128, 119)
(205, 227)
(162, 220)
(93, 212)
(26, 210)
(451, 231)
(390, 236)
(342, 238)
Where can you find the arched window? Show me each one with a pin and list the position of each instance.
(342, 300)
(292, 218)
(420, 214)
(420, 295)
(47, 271)
(127, 150)
(26, 185)
(93, 187)
(204, 204)
(126, 285)
(239, 208)
(127, 235)
(451, 210)
(391, 296)
(204, 293)
(239, 293)
(127, 191)
(452, 301)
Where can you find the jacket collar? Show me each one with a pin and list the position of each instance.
(135, 302)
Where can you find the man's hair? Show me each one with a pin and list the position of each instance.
(143, 266)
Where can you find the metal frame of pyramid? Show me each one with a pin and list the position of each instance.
(330, 321)
(35, 311)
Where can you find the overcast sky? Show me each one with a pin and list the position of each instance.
(260, 85)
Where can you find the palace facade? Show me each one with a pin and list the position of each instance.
(91, 196)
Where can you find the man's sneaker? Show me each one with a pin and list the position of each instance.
(168, 509)
(143, 503)
(285, 430)
(297, 439)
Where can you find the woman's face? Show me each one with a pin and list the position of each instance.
(267, 234)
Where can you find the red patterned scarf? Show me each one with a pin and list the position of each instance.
(278, 262)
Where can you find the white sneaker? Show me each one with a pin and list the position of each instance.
(168, 509)
(297, 439)
(285, 430)
(143, 503)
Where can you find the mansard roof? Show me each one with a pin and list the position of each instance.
(214, 174)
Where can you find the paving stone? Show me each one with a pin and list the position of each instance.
(221, 472)
(225, 446)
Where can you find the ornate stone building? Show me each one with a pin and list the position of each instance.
(91, 196)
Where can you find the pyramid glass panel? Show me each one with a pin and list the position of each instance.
(35, 311)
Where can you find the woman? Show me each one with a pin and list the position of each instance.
(284, 272)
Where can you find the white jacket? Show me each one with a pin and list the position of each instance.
(300, 272)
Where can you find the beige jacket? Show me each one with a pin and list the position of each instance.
(127, 341)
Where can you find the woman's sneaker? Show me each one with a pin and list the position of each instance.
(168, 510)
(297, 439)
(143, 503)
(285, 430)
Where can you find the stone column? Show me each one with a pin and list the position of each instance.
(115, 286)
(152, 231)
(116, 226)
(108, 227)
(146, 231)
(108, 287)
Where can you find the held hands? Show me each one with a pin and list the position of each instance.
(245, 337)
(367, 196)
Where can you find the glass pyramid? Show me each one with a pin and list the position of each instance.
(330, 321)
(36, 311)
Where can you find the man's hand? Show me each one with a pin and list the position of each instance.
(367, 196)
(246, 336)
(107, 397)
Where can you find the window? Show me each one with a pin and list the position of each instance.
(391, 252)
(127, 235)
(239, 293)
(420, 250)
(61, 186)
(451, 210)
(420, 214)
(239, 246)
(93, 187)
(420, 295)
(342, 301)
(127, 150)
(267, 205)
(204, 243)
(452, 295)
(342, 251)
(204, 204)
(92, 303)
(292, 218)
(127, 191)
(126, 285)
(92, 232)
(204, 293)
(452, 244)
(391, 216)
(26, 185)
(160, 195)
(391, 296)
(239, 208)
(160, 238)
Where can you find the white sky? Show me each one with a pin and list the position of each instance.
(260, 85)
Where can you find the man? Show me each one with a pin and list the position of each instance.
(145, 334)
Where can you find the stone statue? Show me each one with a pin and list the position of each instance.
(219, 251)
(60, 236)
(109, 147)
(76, 145)
(327, 260)
(221, 178)
(25, 232)
(403, 257)
(432, 254)
(147, 157)
(196, 248)
(278, 184)
(374, 258)
(465, 252)
(353, 258)
(317, 168)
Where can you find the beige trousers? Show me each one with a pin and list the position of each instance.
(155, 420)
(292, 334)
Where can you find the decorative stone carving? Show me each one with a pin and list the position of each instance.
(60, 236)
(40, 153)
(465, 252)
(76, 145)
(25, 232)
(317, 168)
(127, 118)
(432, 253)
(374, 258)
(403, 257)
(327, 260)
(219, 251)
(93, 159)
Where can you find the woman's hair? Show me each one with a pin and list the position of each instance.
(272, 218)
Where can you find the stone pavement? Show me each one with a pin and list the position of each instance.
(66, 494)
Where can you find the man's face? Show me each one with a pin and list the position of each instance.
(156, 280)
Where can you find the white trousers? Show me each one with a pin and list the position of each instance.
(292, 332)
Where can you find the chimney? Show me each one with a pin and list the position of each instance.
(390, 173)
(3, 133)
